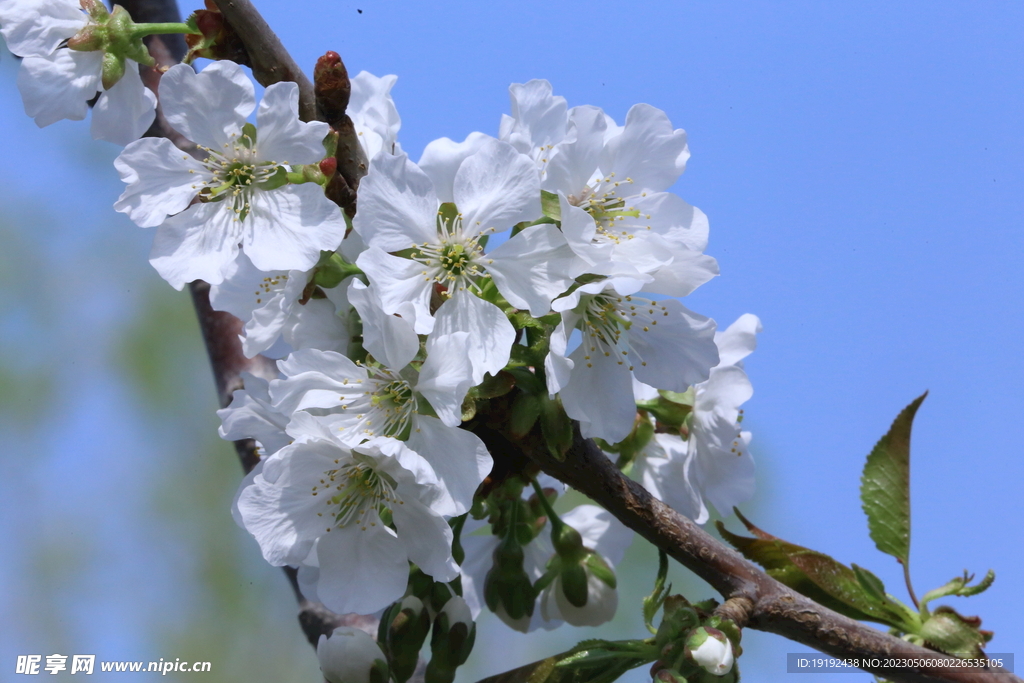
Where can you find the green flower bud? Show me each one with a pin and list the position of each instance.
(404, 627)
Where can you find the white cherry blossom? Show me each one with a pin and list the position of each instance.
(493, 188)
(283, 228)
(623, 336)
(57, 82)
(269, 305)
(342, 499)
(360, 402)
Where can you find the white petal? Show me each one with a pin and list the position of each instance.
(59, 86)
(373, 112)
(685, 271)
(738, 340)
(648, 151)
(426, 537)
(209, 108)
(281, 136)
(162, 180)
(126, 111)
(459, 459)
(446, 376)
(397, 205)
(600, 396)
(36, 28)
(557, 366)
(678, 352)
(601, 531)
(441, 160)
(539, 116)
(400, 283)
(287, 228)
(576, 162)
(388, 338)
(727, 478)
(532, 268)
(361, 570)
(491, 334)
(496, 187)
(196, 244)
(316, 325)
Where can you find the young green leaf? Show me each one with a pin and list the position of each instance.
(885, 487)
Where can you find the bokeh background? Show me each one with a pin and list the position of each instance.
(861, 164)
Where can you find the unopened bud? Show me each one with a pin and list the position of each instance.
(711, 649)
(404, 628)
(329, 166)
(452, 641)
(331, 86)
(669, 676)
(351, 656)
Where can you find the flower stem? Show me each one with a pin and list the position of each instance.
(141, 30)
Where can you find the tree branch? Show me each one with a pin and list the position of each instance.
(269, 60)
(753, 598)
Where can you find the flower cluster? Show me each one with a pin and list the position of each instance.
(500, 287)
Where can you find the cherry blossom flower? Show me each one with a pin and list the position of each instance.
(320, 491)
(57, 82)
(623, 336)
(493, 188)
(360, 402)
(241, 203)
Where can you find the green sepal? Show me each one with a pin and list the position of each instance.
(379, 672)
(192, 22)
(550, 205)
(597, 566)
(279, 178)
(954, 634)
(544, 220)
(574, 584)
(526, 408)
(494, 386)
(636, 441)
(667, 411)
(885, 486)
(820, 578)
(332, 269)
(112, 70)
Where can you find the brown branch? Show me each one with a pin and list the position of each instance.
(269, 60)
(753, 598)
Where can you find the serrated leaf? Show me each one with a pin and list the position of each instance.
(819, 577)
(885, 486)
(953, 634)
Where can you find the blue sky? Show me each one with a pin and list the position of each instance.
(861, 165)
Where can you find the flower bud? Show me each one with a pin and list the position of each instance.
(403, 630)
(331, 86)
(451, 642)
(711, 649)
(669, 676)
(351, 656)
(328, 166)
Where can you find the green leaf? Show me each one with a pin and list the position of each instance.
(821, 578)
(556, 427)
(953, 634)
(885, 487)
(959, 586)
(525, 410)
